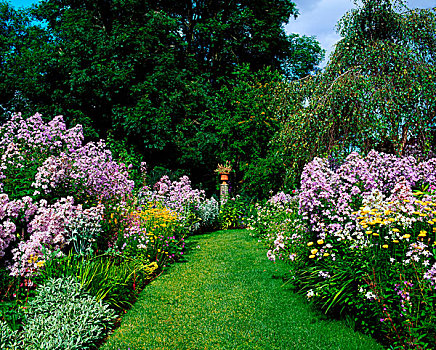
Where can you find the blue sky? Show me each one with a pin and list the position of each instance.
(317, 18)
(21, 3)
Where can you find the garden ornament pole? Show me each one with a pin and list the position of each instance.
(224, 193)
(224, 171)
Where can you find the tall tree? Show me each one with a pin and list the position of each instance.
(221, 34)
(152, 72)
(17, 38)
(378, 90)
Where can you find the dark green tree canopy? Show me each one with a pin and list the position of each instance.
(17, 38)
(159, 75)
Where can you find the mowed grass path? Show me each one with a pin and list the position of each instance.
(227, 295)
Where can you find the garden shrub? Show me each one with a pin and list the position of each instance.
(263, 176)
(62, 316)
(114, 279)
(55, 190)
(51, 229)
(47, 159)
(208, 212)
(274, 210)
(24, 146)
(89, 173)
(152, 231)
(178, 196)
(278, 224)
(233, 213)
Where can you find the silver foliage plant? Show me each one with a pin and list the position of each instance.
(9, 339)
(61, 316)
(208, 211)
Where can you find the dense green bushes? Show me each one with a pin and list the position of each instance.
(233, 212)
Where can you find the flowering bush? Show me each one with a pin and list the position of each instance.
(51, 229)
(369, 248)
(9, 212)
(89, 172)
(279, 226)
(178, 196)
(152, 231)
(47, 176)
(329, 197)
(67, 209)
(26, 144)
(271, 212)
(49, 158)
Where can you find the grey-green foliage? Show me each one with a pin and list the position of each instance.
(63, 316)
(9, 339)
(208, 212)
(84, 230)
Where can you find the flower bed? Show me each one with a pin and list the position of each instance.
(361, 242)
(70, 215)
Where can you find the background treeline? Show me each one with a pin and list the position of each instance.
(182, 85)
(189, 84)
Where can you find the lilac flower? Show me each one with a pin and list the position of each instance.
(63, 166)
(178, 196)
(430, 275)
(51, 229)
(88, 171)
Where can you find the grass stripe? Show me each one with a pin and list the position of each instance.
(227, 295)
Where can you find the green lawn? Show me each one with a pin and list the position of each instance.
(227, 295)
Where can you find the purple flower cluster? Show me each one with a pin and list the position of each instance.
(59, 163)
(50, 230)
(417, 250)
(37, 135)
(280, 198)
(10, 211)
(404, 296)
(30, 141)
(134, 233)
(328, 198)
(47, 230)
(65, 164)
(7, 227)
(88, 171)
(430, 275)
(176, 195)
